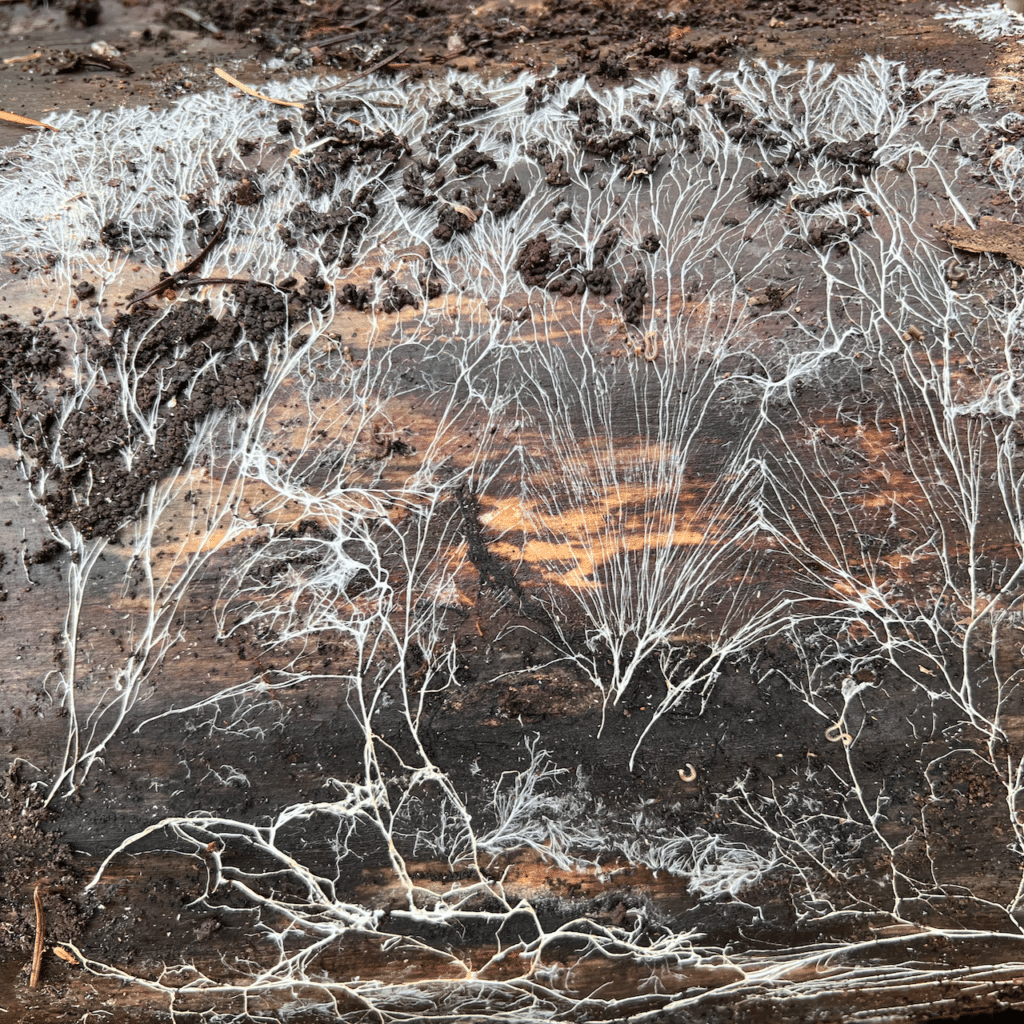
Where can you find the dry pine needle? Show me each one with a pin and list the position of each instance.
(250, 91)
(18, 119)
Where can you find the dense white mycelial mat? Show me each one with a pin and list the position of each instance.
(989, 23)
(679, 262)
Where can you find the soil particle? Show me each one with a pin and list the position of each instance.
(354, 296)
(859, 154)
(248, 193)
(555, 173)
(338, 229)
(594, 135)
(543, 266)
(415, 187)
(506, 198)
(28, 355)
(453, 219)
(834, 232)
(604, 245)
(847, 189)
(775, 297)
(470, 160)
(113, 234)
(633, 297)
(461, 106)
(397, 299)
(537, 261)
(764, 188)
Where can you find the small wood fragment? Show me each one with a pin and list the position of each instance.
(992, 235)
(37, 953)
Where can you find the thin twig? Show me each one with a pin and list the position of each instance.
(335, 8)
(202, 282)
(351, 26)
(370, 70)
(30, 121)
(37, 953)
(193, 264)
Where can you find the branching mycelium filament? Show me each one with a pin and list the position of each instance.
(633, 526)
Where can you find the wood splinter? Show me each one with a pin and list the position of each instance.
(37, 952)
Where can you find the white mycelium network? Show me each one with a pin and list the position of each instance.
(608, 373)
(989, 23)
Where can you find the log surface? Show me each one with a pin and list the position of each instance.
(382, 693)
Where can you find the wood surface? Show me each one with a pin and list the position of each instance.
(845, 821)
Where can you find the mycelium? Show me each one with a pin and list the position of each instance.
(989, 23)
(676, 372)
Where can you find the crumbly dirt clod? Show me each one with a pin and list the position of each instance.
(93, 463)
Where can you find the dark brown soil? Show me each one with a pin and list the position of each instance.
(166, 55)
(34, 856)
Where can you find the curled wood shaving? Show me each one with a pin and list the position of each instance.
(250, 91)
(650, 349)
(837, 734)
(18, 119)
